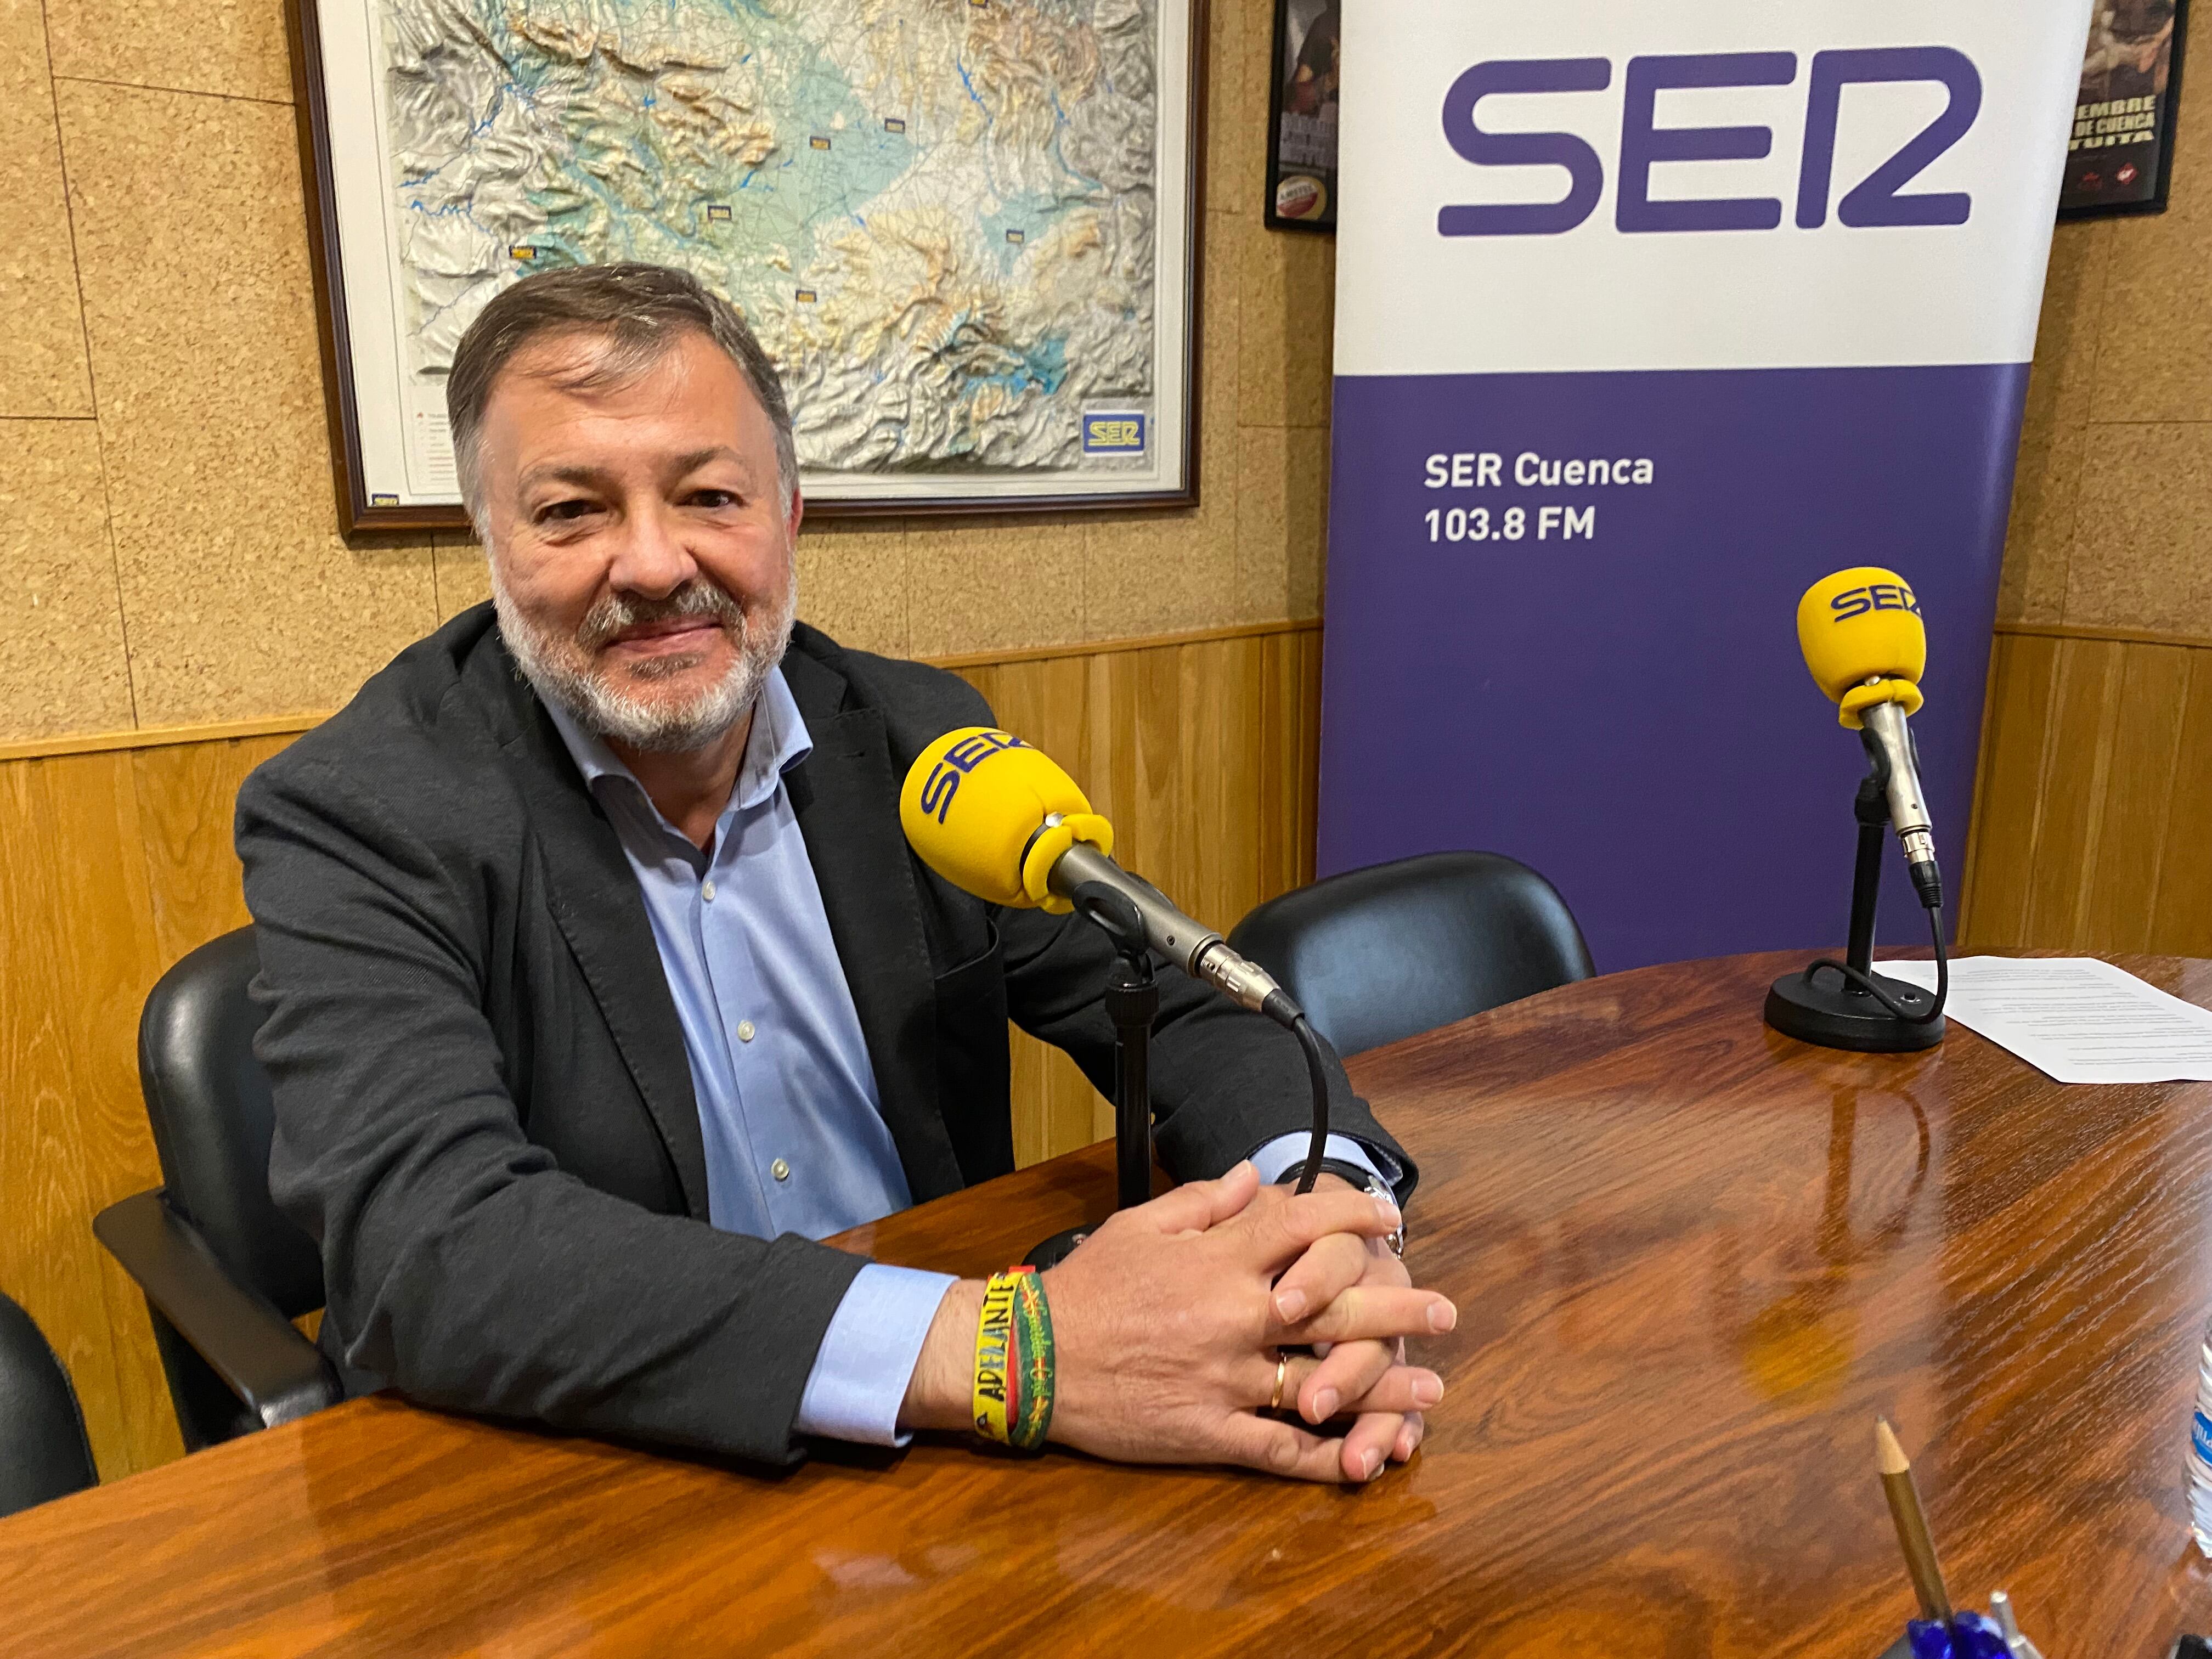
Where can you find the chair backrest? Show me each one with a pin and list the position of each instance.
(43, 1450)
(1382, 954)
(209, 1103)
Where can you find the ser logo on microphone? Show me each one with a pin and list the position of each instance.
(964, 758)
(1878, 595)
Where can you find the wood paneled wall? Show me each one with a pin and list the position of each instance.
(112, 864)
(2092, 827)
(115, 861)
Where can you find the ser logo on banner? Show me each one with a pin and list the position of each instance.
(1878, 200)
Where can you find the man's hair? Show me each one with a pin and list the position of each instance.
(639, 312)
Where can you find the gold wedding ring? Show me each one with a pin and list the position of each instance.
(1282, 1370)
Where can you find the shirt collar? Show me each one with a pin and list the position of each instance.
(779, 740)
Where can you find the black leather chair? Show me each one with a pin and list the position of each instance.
(223, 1272)
(43, 1450)
(1382, 954)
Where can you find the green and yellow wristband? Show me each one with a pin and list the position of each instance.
(1014, 1361)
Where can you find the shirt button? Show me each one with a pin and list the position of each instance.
(706, 889)
(780, 1170)
(746, 1035)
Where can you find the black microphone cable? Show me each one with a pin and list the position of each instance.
(1873, 987)
(1292, 1018)
(1317, 1074)
(1928, 883)
(1118, 917)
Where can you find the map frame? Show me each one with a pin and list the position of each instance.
(365, 505)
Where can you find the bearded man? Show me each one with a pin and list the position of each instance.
(601, 985)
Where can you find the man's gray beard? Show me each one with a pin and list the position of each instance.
(556, 667)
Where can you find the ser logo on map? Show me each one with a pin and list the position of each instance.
(1878, 199)
(1113, 433)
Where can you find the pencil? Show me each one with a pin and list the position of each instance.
(1911, 1525)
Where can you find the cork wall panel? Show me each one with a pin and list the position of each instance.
(977, 584)
(232, 47)
(1282, 519)
(62, 666)
(462, 578)
(2155, 361)
(853, 577)
(2070, 330)
(1238, 93)
(2111, 522)
(1289, 284)
(2141, 554)
(1158, 573)
(192, 251)
(42, 365)
(2048, 474)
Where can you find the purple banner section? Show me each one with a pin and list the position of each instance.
(1613, 695)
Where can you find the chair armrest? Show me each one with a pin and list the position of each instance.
(255, 1349)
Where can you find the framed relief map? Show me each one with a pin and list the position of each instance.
(966, 230)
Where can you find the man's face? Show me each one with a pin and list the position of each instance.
(641, 551)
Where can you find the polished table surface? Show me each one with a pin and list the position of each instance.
(1692, 1261)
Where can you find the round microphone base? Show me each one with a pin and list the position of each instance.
(1830, 1013)
(1057, 1248)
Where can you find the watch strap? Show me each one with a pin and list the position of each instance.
(1352, 1174)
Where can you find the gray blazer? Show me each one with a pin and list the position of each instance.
(483, 1109)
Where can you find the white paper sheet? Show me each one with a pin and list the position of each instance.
(2076, 1019)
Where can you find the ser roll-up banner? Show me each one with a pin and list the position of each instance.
(1647, 316)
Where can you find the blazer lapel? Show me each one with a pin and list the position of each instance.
(596, 903)
(846, 798)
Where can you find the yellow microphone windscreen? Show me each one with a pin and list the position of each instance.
(972, 805)
(1861, 625)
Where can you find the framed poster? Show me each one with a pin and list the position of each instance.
(2119, 157)
(966, 232)
(1301, 117)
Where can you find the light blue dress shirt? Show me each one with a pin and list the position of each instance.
(794, 1134)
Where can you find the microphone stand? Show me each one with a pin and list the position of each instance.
(1847, 1015)
(1132, 1000)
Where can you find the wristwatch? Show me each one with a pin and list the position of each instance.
(1356, 1176)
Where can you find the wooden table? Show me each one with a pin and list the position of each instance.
(1692, 1261)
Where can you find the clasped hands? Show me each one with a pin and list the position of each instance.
(1170, 1317)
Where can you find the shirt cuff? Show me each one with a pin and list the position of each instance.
(1278, 1154)
(868, 1353)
